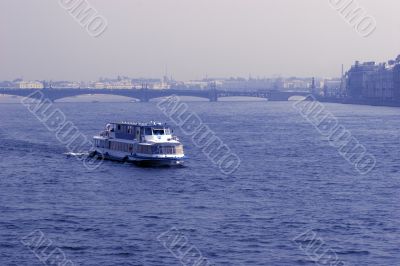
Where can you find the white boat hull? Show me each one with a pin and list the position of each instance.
(139, 158)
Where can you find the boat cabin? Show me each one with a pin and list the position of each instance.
(139, 131)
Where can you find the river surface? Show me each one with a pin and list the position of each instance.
(290, 182)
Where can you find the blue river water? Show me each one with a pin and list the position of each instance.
(290, 181)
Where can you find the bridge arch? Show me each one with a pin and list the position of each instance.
(96, 97)
(242, 99)
(11, 98)
(297, 98)
(303, 97)
(183, 98)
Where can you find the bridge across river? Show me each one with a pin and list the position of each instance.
(145, 95)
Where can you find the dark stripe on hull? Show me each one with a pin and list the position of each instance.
(157, 163)
(143, 161)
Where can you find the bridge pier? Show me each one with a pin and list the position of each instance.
(213, 96)
(213, 99)
(144, 95)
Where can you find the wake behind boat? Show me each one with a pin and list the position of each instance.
(142, 143)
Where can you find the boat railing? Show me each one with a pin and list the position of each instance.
(104, 134)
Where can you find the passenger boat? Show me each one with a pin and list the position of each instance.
(142, 143)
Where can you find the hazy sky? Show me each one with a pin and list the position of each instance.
(41, 40)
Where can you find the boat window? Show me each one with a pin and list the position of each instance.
(158, 131)
(147, 131)
(167, 131)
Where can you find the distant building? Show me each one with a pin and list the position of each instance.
(357, 78)
(30, 85)
(371, 81)
(195, 85)
(331, 87)
(379, 84)
(66, 84)
(145, 83)
(296, 84)
(98, 85)
(161, 86)
(251, 84)
(122, 84)
(126, 83)
(112, 85)
(396, 81)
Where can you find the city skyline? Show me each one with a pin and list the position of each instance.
(199, 132)
(264, 39)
